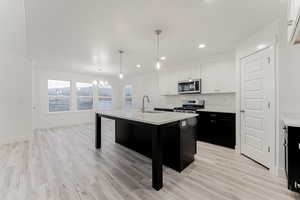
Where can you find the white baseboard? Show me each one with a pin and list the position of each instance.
(281, 172)
(63, 126)
(237, 149)
(10, 140)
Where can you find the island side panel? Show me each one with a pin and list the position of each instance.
(188, 141)
(171, 145)
(98, 131)
(157, 159)
(122, 133)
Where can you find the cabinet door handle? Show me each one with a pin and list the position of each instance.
(290, 22)
(297, 185)
(242, 111)
(213, 121)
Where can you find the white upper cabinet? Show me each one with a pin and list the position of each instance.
(218, 78)
(209, 79)
(187, 73)
(168, 78)
(167, 83)
(215, 78)
(293, 21)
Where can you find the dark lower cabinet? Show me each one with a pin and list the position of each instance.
(179, 141)
(292, 158)
(164, 109)
(217, 128)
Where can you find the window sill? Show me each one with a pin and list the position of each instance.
(69, 112)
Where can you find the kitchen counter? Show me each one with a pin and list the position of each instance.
(291, 120)
(168, 138)
(219, 109)
(156, 118)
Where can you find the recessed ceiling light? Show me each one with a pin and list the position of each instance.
(138, 66)
(163, 58)
(99, 70)
(201, 46)
(261, 46)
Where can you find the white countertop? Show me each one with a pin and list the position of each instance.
(158, 118)
(167, 106)
(291, 120)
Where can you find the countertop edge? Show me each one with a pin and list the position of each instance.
(145, 121)
(216, 111)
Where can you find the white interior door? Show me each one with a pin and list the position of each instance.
(257, 106)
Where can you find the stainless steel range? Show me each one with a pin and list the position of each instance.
(190, 106)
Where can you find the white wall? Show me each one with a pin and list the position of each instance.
(288, 81)
(43, 119)
(143, 84)
(289, 77)
(15, 74)
(148, 84)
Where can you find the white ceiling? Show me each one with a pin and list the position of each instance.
(85, 35)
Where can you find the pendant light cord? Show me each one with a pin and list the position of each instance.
(120, 51)
(157, 32)
(157, 50)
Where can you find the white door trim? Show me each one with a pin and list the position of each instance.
(275, 141)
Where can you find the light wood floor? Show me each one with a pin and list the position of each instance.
(61, 164)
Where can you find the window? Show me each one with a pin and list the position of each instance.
(128, 99)
(59, 95)
(104, 98)
(84, 96)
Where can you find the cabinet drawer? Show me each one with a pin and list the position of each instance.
(217, 128)
(216, 115)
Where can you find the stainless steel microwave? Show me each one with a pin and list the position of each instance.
(189, 86)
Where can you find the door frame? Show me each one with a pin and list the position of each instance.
(274, 144)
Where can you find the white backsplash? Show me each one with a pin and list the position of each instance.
(211, 100)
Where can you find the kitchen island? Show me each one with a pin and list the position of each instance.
(167, 138)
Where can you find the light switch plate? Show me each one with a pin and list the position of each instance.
(183, 123)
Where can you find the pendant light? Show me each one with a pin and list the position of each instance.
(157, 32)
(121, 73)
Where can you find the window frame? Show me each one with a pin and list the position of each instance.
(70, 96)
(87, 97)
(98, 96)
(128, 106)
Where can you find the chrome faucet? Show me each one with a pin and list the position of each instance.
(148, 100)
